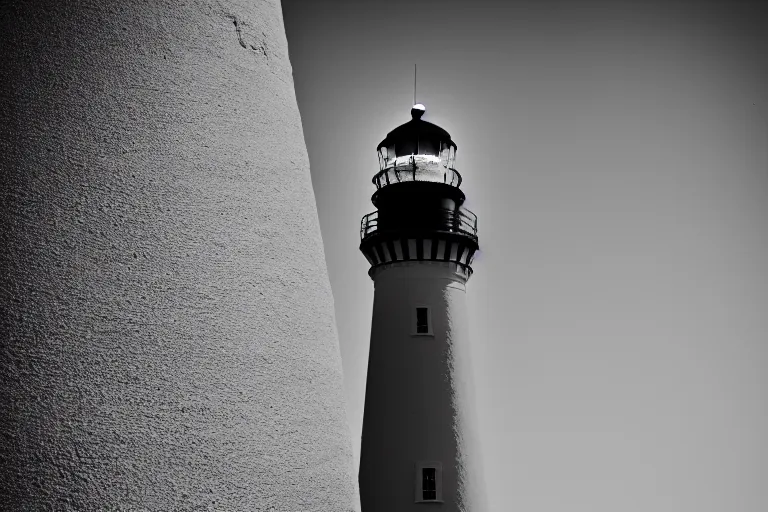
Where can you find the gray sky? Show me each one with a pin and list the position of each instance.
(615, 155)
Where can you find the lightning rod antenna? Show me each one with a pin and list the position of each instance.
(414, 84)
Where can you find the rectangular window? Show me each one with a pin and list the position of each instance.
(428, 484)
(422, 321)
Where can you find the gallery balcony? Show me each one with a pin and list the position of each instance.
(459, 221)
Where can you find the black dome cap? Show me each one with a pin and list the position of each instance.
(417, 136)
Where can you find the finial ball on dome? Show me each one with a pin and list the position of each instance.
(418, 110)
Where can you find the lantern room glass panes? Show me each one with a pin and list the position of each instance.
(428, 147)
(430, 157)
(444, 153)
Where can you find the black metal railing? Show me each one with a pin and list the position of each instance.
(466, 221)
(456, 221)
(368, 224)
(414, 172)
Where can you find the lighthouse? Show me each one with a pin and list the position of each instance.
(419, 448)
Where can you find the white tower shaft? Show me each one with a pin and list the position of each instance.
(419, 395)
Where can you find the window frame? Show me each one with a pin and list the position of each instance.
(415, 321)
(420, 467)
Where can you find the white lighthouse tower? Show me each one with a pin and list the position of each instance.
(418, 448)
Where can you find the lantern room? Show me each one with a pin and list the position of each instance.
(417, 151)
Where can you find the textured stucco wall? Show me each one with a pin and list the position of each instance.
(167, 336)
(419, 398)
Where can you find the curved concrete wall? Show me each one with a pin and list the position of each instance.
(168, 337)
(419, 396)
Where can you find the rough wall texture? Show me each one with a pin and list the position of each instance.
(419, 394)
(167, 336)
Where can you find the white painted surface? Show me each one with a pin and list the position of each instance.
(419, 402)
(168, 336)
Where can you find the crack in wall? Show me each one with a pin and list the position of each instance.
(248, 40)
